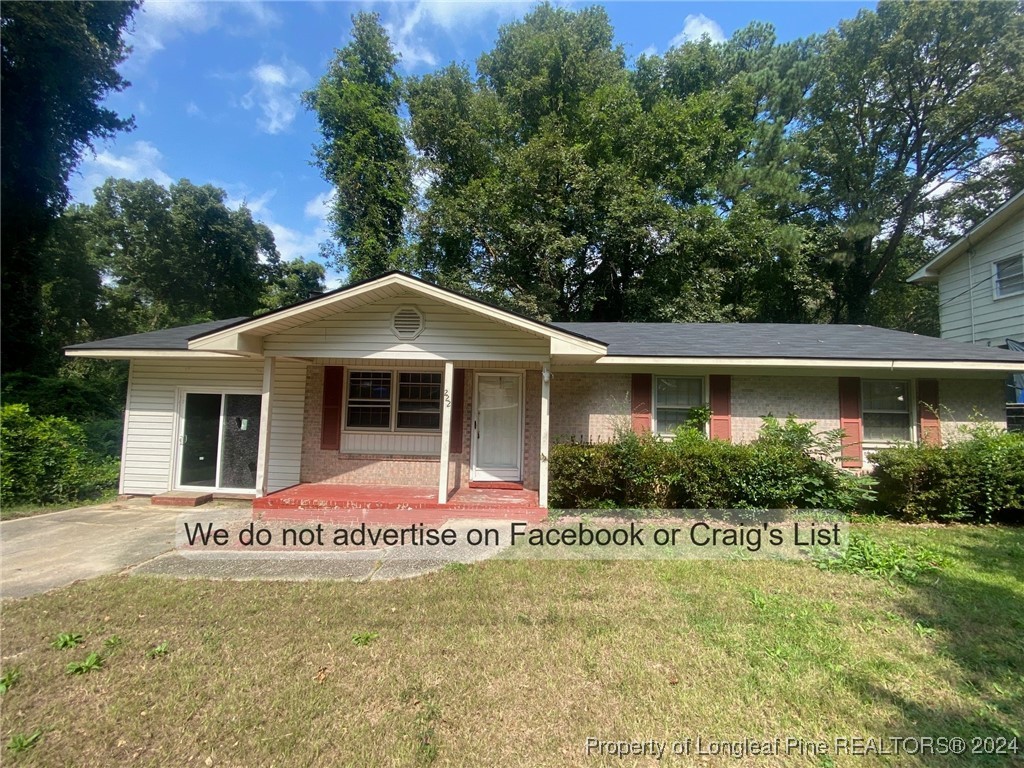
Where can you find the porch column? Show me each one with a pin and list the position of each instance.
(446, 431)
(545, 413)
(263, 451)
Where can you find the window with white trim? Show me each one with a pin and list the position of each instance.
(674, 396)
(885, 411)
(1008, 276)
(374, 404)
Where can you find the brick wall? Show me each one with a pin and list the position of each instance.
(588, 406)
(960, 399)
(807, 398)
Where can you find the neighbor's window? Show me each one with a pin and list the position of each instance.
(1008, 276)
(885, 407)
(375, 404)
(673, 399)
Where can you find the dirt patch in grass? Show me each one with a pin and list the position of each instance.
(519, 662)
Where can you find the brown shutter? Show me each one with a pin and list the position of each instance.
(458, 406)
(850, 421)
(330, 428)
(721, 407)
(929, 429)
(640, 398)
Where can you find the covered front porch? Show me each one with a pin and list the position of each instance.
(396, 505)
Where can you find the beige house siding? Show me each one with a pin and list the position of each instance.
(963, 399)
(448, 333)
(287, 404)
(968, 309)
(150, 418)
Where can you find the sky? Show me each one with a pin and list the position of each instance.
(215, 86)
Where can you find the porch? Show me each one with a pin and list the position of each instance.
(395, 505)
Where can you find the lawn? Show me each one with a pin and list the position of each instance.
(16, 511)
(518, 663)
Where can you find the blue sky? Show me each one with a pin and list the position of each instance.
(215, 85)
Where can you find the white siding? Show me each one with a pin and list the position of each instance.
(149, 443)
(968, 310)
(391, 444)
(448, 334)
(288, 401)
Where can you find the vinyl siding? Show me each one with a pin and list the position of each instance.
(287, 403)
(449, 334)
(149, 443)
(968, 310)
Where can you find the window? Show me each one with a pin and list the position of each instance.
(673, 399)
(1008, 276)
(885, 407)
(375, 404)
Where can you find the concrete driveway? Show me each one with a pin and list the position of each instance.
(41, 553)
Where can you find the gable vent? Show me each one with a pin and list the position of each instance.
(407, 323)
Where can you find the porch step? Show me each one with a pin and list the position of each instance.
(498, 485)
(397, 517)
(181, 499)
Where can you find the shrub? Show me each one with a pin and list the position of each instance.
(788, 466)
(48, 460)
(979, 479)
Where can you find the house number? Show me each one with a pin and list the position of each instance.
(447, 400)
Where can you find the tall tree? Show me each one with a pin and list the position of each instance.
(363, 152)
(178, 255)
(59, 60)
(905, 99)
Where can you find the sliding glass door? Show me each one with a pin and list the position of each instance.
(219, 441)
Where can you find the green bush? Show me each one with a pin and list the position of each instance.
(788, 466)
(44, 460)
(979, 479)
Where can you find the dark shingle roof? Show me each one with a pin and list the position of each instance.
(819, 342)
(169, 338)
(711, 340)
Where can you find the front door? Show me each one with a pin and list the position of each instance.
(498, 427)
(219, 441)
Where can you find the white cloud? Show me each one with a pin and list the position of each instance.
(160, 21)
(650, 50)
(275, 91)
(292, 243)
(320, 206)
(193, 110)
(409, 26)
(141, 161)
(696, 26)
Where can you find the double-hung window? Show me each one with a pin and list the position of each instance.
(674, 396)
(393, 401)
(1008, 276)
(885, 409)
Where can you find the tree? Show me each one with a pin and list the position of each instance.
(363, 153)
(292, 282)
(905, 100)
(59, 60)
(177, 256)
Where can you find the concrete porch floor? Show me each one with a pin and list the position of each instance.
(395, 505)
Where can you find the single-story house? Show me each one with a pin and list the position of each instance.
(394, 381)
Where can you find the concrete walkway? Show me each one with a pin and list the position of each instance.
(48, 551)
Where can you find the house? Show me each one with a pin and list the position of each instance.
(395, 382)
(981, 289)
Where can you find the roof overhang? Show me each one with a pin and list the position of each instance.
(929, 273)
(246, 337)
(163, 354)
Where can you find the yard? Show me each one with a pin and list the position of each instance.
(518, 663)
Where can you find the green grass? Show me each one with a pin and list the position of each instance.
(518, 663)
(16, 511)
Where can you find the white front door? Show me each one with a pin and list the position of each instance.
(498, 427)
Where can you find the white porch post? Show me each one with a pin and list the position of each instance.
(446, 431)
(545, 437)
(263, 452)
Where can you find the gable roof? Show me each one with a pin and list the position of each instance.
(929, 273)
(167, 339)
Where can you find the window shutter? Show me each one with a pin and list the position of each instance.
(330, 428)
(850, 421)
(929, 428)
(640, 410)
(458, 405)
(721, 407)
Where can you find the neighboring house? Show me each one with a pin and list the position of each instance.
(981, 289)
(397, 382)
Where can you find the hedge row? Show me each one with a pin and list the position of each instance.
(48, 460)
(787, 466)
(979, 479)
